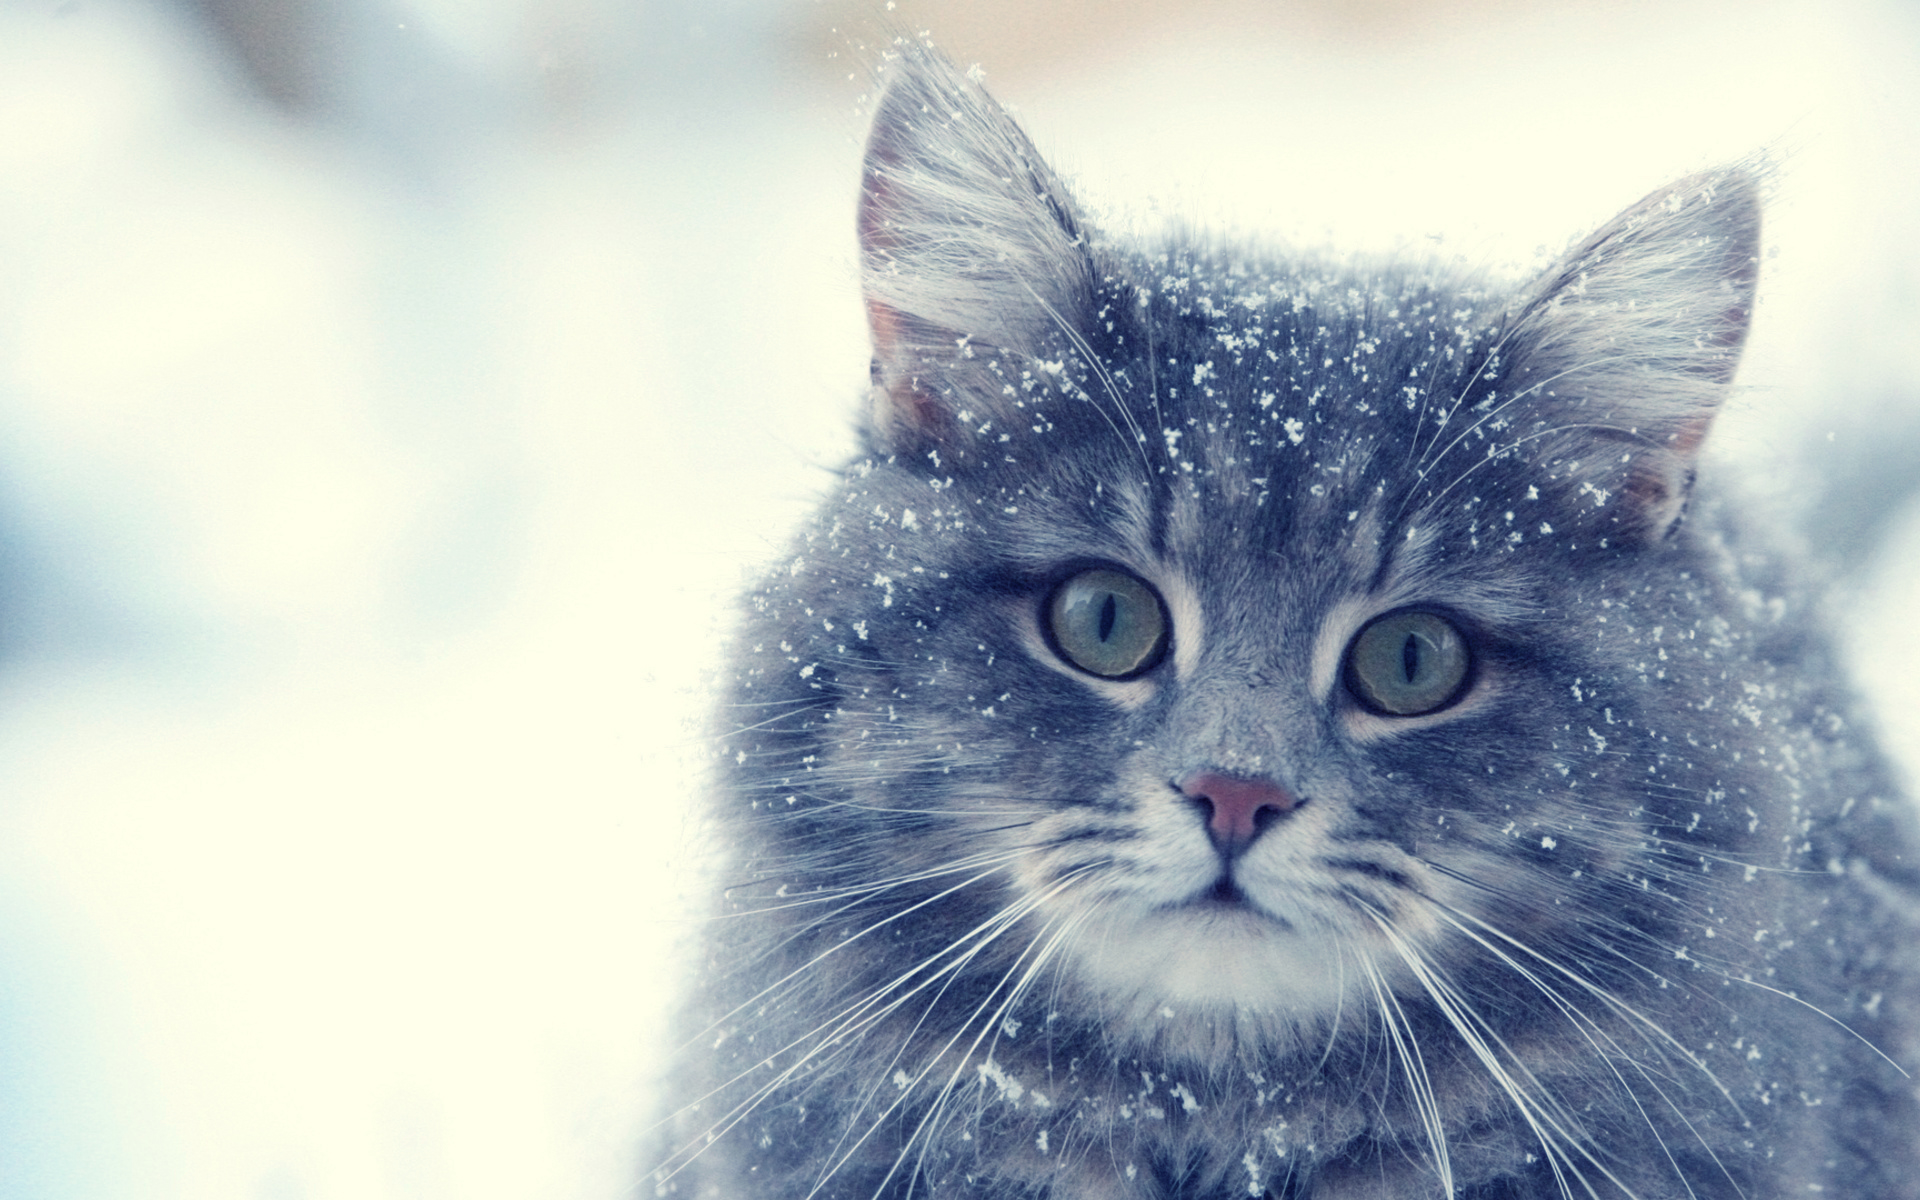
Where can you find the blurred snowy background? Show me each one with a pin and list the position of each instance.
(393, 391)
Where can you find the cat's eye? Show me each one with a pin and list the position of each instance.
(1408, 663)
(1107, 623)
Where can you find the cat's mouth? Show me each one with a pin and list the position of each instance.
(1227, 896)
(1225, 892)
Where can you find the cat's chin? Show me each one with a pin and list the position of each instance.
(1195, 973)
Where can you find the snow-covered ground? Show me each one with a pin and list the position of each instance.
(372, 487)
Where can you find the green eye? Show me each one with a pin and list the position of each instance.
(1107, 623)
(1408, 663)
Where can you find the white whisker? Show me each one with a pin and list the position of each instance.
(1414, 1064)
(1031, 904)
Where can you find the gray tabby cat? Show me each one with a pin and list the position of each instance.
(1251, 725)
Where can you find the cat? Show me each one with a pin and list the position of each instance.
(1263, 725)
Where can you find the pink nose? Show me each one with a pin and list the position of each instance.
(1235, 805)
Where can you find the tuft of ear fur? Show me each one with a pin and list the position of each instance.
(968, 243)
(1625, 349)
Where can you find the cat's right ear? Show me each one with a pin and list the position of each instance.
(968, 244)
(1627, 348)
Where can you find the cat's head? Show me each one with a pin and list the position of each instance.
(1223, 638)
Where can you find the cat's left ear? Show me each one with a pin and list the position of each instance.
(1626, 349)
(968, 244)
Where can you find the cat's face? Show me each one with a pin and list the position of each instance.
(1238, 830)
(1222, 646)
(1235, 714)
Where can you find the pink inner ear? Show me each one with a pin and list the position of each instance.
(907, 411)
(1687, 440)
(884, 321)
(903, 410)
(1657, 481)
(1658, 478)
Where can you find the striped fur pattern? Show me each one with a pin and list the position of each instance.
(1633, 915)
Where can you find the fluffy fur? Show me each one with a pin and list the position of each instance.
(1632, 915)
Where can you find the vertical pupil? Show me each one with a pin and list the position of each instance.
(1410, 657)
(1109, 613)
